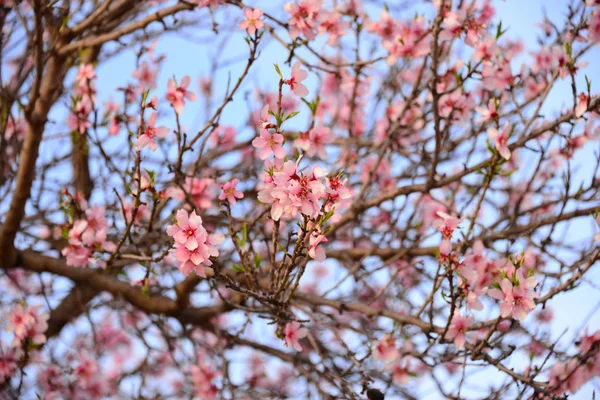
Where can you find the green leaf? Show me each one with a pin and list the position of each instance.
(145, 96)
(245, 232)
(569, 51)
(278, 71)
(588, 84)
(238, 268)
(291, 115)
(499, 31)
(257, 260)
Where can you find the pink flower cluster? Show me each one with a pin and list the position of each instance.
(202, 191)
(572, 375)
(304, 16)
(291, 192)
(517, 295)
(309, 19)
(313, 142)
(28, 324)
(87, 236)
(396, 360)
(458, 329)
(204, 377)
(84, 98)
(409, 40)
(193, 245)
(9, 362)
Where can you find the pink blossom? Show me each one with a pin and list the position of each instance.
(28, 324)
(153, 103)
(20, 320)
(265, 118)
(201, 190)
(298, 75)
(597, 236)
(146, 75)
(485, 49)
(582, 105)
(177, 95)
(268, 143)
(385, 349)
(337, 191)
(497, 76)
(187, 229)
(332, 24)
(85, 74)
(204, 377)
(587, 342)
(488, 114)
(386, 27)
(252, 22)
(314, 141)
(9, 362)
(78, 120)
(475, 260)
(594, 26)
(293, 333)
(209, 3)
(230, 192)
(544, 315)
(400, 372)
(303, 19)
(446, 224)
(142, 214)
(518, 298)
(500, 140)
(458, 328)
(150, 133)
(314, 251)
(15, 127)
(223, 137)
(87, 236)
(194, 246)
(411, 41)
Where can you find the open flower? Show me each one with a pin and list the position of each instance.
(458, 328)
(293, 333)
(268, 143)
(252, 22)
(177, 95)
(187, 230)
(86, 73)
(230, 192)
(298, 75)
(517, 296)
(385, 349)
(148, 138)
(500, 140)
(194, 246)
